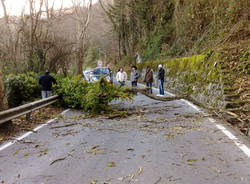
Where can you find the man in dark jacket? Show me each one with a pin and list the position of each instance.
(161, 80)
(149, 78)
(134, 76)
(46, 82)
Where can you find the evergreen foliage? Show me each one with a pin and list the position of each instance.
(93, 98)
(22, 88)
(73, 91)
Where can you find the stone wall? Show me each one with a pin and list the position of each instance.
(212, 96)
(197, 76)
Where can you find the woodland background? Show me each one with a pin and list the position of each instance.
(67, 40)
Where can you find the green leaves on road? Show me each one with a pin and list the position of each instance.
(111, 164)
(93, 181)
(93, 98)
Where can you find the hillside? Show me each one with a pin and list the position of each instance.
(204, 45)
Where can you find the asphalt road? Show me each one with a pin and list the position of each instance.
(159, 143)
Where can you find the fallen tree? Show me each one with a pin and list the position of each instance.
(92, 98)
(145, 92)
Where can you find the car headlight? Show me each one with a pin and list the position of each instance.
(108, 78)
(94, 78)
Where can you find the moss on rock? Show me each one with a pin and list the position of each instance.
(193, 75)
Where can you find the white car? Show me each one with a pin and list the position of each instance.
(98, 72)
(87, 74)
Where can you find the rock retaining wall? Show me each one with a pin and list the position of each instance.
(203, 79)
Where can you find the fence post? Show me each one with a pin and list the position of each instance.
(28, 117)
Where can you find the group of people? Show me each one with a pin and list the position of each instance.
(46, 80)
(121, 78)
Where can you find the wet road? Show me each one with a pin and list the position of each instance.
(161, 143)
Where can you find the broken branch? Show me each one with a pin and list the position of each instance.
(63, 126)
(145, 92)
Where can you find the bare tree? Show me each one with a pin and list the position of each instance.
(35, 17)
(101, 34)
(49, 10)
(3, 99)
(46, 37)
(82, 11)
(5, 11)
(11, 36)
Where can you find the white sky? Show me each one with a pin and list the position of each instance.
(15, 7)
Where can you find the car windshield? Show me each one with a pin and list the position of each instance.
(100, 71)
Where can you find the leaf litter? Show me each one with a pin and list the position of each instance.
(111, 164)
(132, 177)
(94, 149)
(93, 181)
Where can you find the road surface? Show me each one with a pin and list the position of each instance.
(159, 143)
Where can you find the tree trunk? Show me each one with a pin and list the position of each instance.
(124, 50)
(3, 99)
(80, 61)
(119, 46)
(30, 60)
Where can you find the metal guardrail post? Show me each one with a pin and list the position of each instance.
(28, 117)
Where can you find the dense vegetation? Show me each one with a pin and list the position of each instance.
(22, 88)
(73, 91)
(158, 29)
(93, 98)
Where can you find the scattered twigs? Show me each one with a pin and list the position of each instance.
(57, 160)
(24, 142)
(29, 129)
(61, 159)
(110, 129)
(231, 114)
(157, 181)
(115, 116)
(217, 111)
(63, 126)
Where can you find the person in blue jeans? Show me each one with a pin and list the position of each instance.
(161, 76)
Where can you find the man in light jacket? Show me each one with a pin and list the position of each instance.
(134, 76)
(121, 77)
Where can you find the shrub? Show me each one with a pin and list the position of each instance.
(72, 91)
(22, 88)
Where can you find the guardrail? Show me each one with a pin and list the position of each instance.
(26, 109)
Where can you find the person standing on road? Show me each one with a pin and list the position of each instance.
(46, 82)
(110, 73)
(121, 77)
(134, 76)
(161, 80)
(149, 77)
